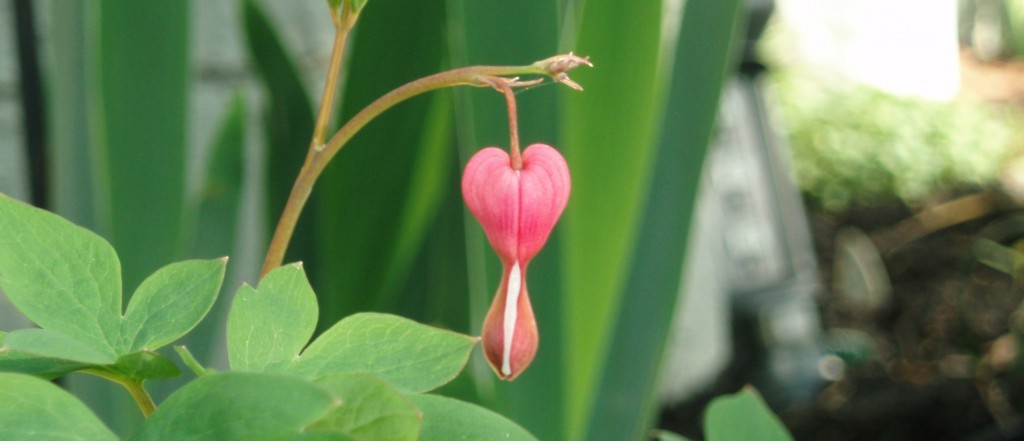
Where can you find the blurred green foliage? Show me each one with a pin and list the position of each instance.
(386, 229)
(853, 145)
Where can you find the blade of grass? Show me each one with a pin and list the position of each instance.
(428, 188)
(143, 80)
(73, 123)
(625, 402)
(609, 137)
(382, 190)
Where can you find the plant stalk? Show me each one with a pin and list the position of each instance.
(513, 124)
(320, 155)
(135, 389)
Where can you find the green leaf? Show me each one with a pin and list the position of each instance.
(36, 410)
(52, 344)
(21, 362)
(334, 4)
(356, 5)
(145, 365)
(48, 353)
(67, 280)
(269, 325)
(609, 141)
(393, 173)
(217, 228)
(664, 435)
(743, 416)
(140, 145)
(169, 303)
(410, 356)
(220, 196)
(120, 122)
(626, 400)
(447, 419)
(61, 276)
(72, 125)
(370, 409)
(239, 406)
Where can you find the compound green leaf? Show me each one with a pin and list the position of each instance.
(169, 303)
(269, 325)
(370, 409)
(743, 416)
(32, 409)
(410, 356)
(447, 419)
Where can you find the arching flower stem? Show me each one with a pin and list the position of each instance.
(320, 155)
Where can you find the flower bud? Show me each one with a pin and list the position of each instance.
(517, 209)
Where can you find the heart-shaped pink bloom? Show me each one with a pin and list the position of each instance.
(517, 209)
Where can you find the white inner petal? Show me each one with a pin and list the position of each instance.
(515, 282)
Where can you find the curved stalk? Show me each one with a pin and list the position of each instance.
(134, 387)
(320, 155)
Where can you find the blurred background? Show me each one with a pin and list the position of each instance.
(819, 198)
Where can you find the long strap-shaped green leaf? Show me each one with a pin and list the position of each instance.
(609, 138)
(125, 84)
(625, 401)
(375, 202)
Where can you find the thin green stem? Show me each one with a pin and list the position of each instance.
(134, 387)
(190, 361)
(320, 155)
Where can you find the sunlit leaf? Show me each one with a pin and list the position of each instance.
(270, 324)
(169, 303)
(61, 276)
(410, 356)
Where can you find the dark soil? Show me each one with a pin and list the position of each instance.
(937, 371)
(944, 362)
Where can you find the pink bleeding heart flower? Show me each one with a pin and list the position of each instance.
(517, 209)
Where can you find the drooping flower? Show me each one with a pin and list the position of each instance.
(517, 209)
